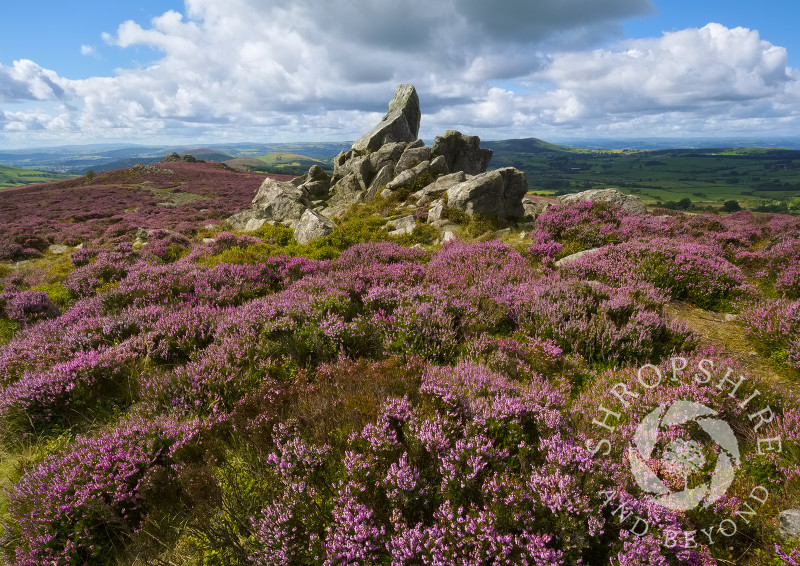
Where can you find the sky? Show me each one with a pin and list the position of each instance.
(224, 71)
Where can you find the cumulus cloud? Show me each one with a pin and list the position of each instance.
(310, 69)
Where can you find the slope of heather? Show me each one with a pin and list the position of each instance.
(114, 204)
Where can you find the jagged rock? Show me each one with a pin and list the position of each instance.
(317, 182)
(497, 192)
(438, 187)
(412, 157)
(275, 201)
(312, 225)
(462, 153)
(631, 203)
(380, 181)
(400, 124)
(439, 166)
(574, 257)
(789, 523)
(409, 177)
(435, 212)
(402, 225)
(347, 191)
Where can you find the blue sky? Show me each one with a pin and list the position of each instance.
(233, 70)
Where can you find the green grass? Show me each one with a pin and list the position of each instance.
(15, 176)
(752, 176)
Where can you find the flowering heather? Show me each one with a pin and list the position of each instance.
(392, 405)
(693, 272)
(77, 506)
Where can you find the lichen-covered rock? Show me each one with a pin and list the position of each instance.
(316, 182)
(400, 124)
(438, 187)
(403, 225)
(631, 203)
(789, 524)
(409, 177)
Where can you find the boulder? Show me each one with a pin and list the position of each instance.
(58, 249)
(789, 524)
(497, 192)
(462, 153)
(631, 203)
(573, 257)
(400, 124)
(312, 225)
(275, 201)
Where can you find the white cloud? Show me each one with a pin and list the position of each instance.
(88, 50)
(311, 69)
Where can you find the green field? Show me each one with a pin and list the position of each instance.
(14, 177)
(708, 177)
(279, 162)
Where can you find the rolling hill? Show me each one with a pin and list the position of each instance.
(16, 176)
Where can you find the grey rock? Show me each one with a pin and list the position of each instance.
(497, 192)
(631, 203)
(312, 225)
(386, 193)
(462, 153)
(438, 187)
(412, 157)
(400, 124)
(380, 180)
(409, 177)
(447, 236)
(531, 210)
(403, 225)
(143, 234)
(316, 182)
(435, 212)
(789, 524)
(346, 191)
(208, 240)
(439, 166)
(573, 257)
(58, 249)
(275, 202)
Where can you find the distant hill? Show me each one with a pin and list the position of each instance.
(278, 162)
(16, 176)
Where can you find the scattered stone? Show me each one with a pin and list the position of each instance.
(631, 203)
(312, 225)
(573, 257)
(789, 523)
(403, 225)
(208, 240)
(400, 124)
(447, 236)
(58, 249)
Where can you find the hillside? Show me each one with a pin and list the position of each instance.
(278, 162)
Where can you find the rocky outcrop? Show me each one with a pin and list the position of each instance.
(630, 203)
(495, 192)
(400, 124)
(390, 161)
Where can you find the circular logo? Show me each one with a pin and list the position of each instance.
(683, 456)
